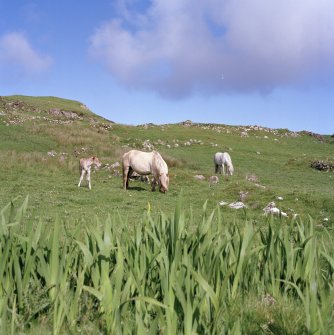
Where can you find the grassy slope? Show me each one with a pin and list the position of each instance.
(28, 132)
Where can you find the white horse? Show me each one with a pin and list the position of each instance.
(146, 163)
(222, 160)
(85, 165)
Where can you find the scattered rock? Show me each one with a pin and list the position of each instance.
(223, 203)
(115, 165)
(213, 180)
(268, 300)
(280, 198)
(322, 166)
(252, 177)
(199, 177)
(237, 205)
(187, 123)
(63, 113)
(147, 145)
(114, 168)
(272, 209)
(259, 186)
(242, 196)
(314, 135)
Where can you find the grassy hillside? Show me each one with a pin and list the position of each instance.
(42, 139)
(109, 261)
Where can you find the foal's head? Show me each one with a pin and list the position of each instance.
(96, 162)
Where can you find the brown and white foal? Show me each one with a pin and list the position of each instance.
(85, 165)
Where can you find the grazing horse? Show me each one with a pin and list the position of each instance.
(146, 163)
(222, 160)
(85, 165)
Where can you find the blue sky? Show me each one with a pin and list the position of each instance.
(236, 62)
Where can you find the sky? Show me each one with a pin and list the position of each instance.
(236, 62)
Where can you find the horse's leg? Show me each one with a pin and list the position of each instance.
(81, 177)
(216, 168)
(153, 183)
(129, 176)
(223, 167)
(125, 177)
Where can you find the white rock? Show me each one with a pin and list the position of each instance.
(272, 209)
(214, 180)
(237, 205)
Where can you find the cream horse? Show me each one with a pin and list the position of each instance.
(222, 160)
(146, 163)
(85, 165)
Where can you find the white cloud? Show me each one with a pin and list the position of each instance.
(177, 47)
(18, 56)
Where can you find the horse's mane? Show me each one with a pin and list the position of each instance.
(159, 161)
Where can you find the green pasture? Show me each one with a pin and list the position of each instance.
(39, 156)
(281, 164)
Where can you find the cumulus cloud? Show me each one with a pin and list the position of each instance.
(179, 47)
(18, 57)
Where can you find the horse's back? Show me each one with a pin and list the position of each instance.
(227, 157)
(139, 161)
(218, 158)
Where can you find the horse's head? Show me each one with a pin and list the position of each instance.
(163, 182)
(96, 162)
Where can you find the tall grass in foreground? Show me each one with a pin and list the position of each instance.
(162, 279)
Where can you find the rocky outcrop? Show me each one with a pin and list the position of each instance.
(322, 166)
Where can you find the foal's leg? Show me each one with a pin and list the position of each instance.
(88, 179)
(81, 177)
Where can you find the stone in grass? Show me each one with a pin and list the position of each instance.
(213, 180)
(272, 209)
(237, 205)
